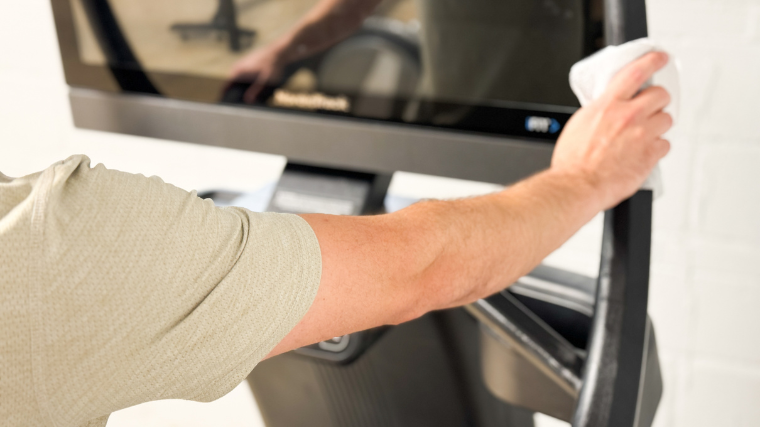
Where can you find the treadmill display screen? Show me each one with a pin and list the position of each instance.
(491, 66)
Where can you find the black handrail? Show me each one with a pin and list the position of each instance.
(612, 374)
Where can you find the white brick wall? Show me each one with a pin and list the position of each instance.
(705, 294)
(706, 258)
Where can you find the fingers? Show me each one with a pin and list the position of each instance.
(651, 129)
(249, 97)
(629, 80)
(660, 148)
(658, 124)
(258, 85)
(650, 101)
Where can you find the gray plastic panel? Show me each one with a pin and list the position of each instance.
(316, 140)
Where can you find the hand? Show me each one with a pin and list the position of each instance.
(260, 67)
(615, 142)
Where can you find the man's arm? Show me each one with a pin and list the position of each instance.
(393, 268)
(327, 23)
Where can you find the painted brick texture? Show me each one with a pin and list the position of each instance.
(706, 255)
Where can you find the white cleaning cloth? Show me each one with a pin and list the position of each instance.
(589, 79)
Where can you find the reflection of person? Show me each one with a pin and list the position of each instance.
(120, 289)
(471, 49)
(327, 23)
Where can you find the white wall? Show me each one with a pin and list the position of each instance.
(706, 258)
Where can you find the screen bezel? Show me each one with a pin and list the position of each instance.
(467, 153)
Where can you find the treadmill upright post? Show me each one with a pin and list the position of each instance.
(612, 378)
(613, 372)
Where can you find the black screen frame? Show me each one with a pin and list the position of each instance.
(123, 73)
(99, 102)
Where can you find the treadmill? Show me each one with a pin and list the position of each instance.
(577, 348)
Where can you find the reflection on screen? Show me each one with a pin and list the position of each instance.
(428, 61)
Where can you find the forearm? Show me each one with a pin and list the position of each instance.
(392, 268)
(328, 23)
(486, 243)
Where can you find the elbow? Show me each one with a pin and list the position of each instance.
(413, 295)
(418, 268)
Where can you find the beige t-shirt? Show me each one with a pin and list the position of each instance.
(117, 289)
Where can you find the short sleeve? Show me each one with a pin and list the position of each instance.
(143, 291)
